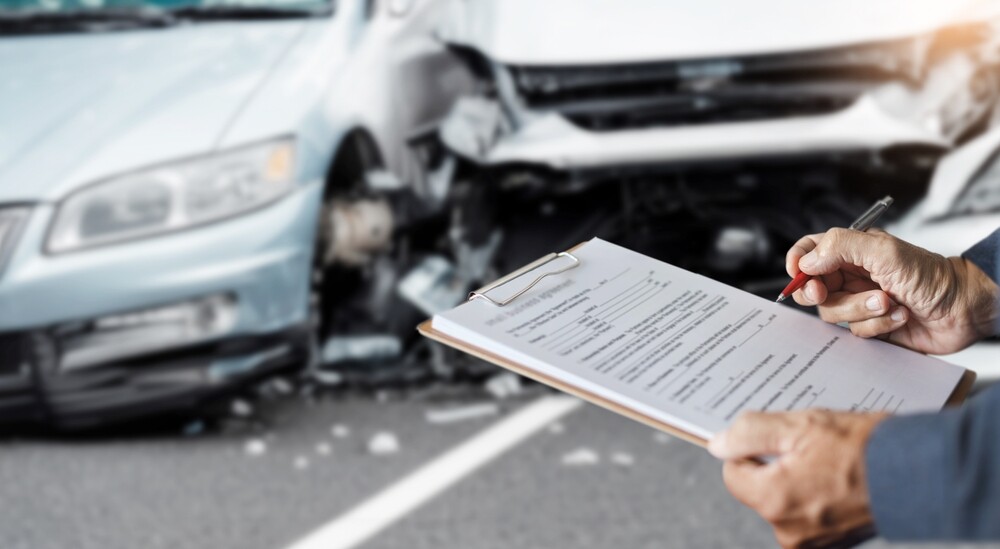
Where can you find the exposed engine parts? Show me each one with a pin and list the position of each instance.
(360, 229)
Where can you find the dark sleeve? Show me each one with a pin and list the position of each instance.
(937, 476)
(986, 255)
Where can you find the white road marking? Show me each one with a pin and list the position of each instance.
(381, 510)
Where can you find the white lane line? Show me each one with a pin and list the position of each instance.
(381, 510)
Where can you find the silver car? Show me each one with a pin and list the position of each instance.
(179, 180)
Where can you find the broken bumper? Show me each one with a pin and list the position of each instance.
(475, 131)
(114, 333)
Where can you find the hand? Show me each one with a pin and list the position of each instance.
(884, 287)
(815, 492)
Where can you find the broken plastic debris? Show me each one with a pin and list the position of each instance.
(282, 386)
(324, 449)
(432, 286)
(383, 443)
(301, 463)
(556, 428)
(580, 457)
(340, 431)
(463, 413)
(255, 447)
(361, 348)
(622, 459)
(241, 408)
(503, 385)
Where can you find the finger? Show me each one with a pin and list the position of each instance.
(753, 434)
(813, 293)
(747, 481)
(851, 307)
(885, 324)
(844, 247)
(804, 245)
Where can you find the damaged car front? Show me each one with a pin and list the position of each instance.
(170, 175)
(783, 106)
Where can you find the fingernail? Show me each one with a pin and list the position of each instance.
(811, 293)
(898, 315)
(873, 303)
(808, 260)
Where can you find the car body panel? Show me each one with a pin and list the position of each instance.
(551, 140)
(71, 117)
(574, 32)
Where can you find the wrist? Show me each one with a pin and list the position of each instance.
(980, 298)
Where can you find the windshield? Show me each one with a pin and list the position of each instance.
(75, 6)
(58, 16)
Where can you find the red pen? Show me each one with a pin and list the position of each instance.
(862, 224)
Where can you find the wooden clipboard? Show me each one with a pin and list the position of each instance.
(426, 329)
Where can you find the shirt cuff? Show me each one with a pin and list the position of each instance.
(986, 255)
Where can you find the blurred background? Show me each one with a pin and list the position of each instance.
(221, 221)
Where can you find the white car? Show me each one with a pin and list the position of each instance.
(713, 134)
(961, 208)
(578, 84)
(193, 194)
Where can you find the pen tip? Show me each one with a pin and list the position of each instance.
(781, 297)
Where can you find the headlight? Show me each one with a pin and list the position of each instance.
(174, 197)
(11, 220)
(983, 193)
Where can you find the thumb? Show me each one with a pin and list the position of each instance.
(753, 434)
(840, 247)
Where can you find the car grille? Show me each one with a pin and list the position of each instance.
(13, 354)
(605, 98)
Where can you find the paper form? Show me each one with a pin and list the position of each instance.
(690, 351)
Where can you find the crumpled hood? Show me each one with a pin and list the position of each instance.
(79, 107)
(571, 32)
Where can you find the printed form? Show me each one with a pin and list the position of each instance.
(687, 350)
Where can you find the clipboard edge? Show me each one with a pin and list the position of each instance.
(427, 330)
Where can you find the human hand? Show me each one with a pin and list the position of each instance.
(885, 287)
(814, 493)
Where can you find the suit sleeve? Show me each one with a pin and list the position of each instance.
(937, 476)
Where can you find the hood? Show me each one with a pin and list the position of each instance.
(581, 32)
(80, 107)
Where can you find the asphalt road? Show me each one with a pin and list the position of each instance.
(207, 491)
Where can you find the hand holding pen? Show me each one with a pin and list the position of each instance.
(884, 287)
(863, 223)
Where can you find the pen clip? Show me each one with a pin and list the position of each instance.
(481, 292)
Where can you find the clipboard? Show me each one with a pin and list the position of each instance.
(426, 329)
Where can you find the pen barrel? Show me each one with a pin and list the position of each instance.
(869, 218)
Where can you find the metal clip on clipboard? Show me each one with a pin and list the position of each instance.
(481, 292)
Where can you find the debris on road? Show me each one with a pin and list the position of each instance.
(463, 413)
(340, 431)
(662, 438)
(622, 459)
(255, 447)
(581, 457)
(282, 386)
(324, 449)
(241, 408)
(301, 463)
(383, 443)
(556, 428)
(503, 385)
